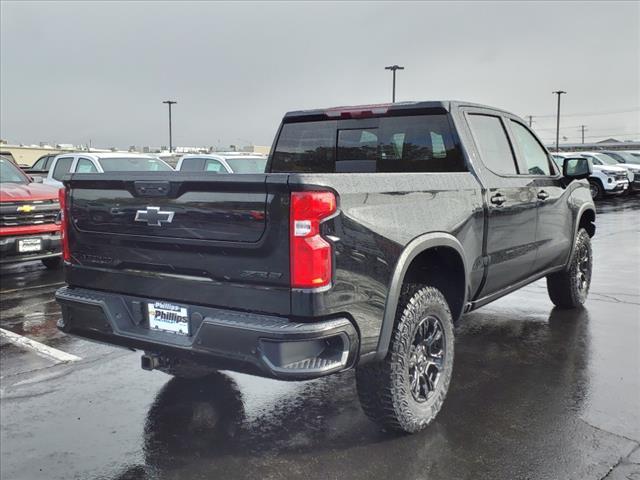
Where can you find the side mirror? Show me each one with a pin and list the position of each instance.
(576, 168)
(36, 179)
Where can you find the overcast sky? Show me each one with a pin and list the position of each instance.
(75, 72)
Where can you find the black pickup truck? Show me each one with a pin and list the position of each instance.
(374, 229)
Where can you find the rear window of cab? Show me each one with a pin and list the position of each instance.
(421, 143)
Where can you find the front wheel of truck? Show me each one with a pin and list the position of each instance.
(569, 288)
(406, 390)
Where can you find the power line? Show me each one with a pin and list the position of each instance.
(590, 114)
(565, 128)
(613, 135)
(597, 136)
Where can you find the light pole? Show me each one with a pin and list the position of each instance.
(559, 93)
(170, 102)
(393, 68)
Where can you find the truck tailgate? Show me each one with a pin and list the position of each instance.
(209, 239)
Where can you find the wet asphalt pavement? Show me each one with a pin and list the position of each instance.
(537, 393)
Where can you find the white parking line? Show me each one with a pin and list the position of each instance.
(39, 348)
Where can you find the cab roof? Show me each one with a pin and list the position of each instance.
(99, 155)
(382, 109)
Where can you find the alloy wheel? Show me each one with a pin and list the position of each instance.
(583, 272)
(426, 358)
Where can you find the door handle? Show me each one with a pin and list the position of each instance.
(498, 199)
(542, 195)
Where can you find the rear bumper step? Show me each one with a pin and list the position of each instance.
(262, 345)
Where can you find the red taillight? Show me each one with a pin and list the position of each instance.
(64, 224)
(311, 256)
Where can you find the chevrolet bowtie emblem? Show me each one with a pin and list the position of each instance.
(26, 208)
(154, 216)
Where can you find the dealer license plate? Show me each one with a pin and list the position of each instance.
(29, 245)
(168, 317)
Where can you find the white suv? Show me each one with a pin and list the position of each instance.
(223, 162)
(624, 160)
(85, 162)
(605, 179)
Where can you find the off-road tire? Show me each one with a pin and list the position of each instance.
(569, 288)
(384, 388)
(52, 263)
(596, 186)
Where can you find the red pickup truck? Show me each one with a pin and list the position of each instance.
(28, 218)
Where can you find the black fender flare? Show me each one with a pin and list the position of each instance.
(587, 206)
(410, 252)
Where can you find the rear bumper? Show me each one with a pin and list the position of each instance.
(9, 248)
(261, 345)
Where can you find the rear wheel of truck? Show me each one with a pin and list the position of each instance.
(406, 390)
(52, 263)
(569, 288)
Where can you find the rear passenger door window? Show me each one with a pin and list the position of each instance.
(63, 165)
(534, 156)
(86, 166)
(492, 142)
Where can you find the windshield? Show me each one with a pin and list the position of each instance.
(247, 164)
(606, 159)
(627, 157)
(133, 164)
(9, 173)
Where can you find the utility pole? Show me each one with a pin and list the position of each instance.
(393, 68)
(559, 93)
(530, 117)
(170, 102)
(582, 128)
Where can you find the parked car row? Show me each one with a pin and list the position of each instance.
(29, 206)
(614, 173)
(52, 168)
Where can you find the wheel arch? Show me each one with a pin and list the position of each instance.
(439, 247)
(586, 218)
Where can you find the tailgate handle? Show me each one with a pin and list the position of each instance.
(151, 189)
